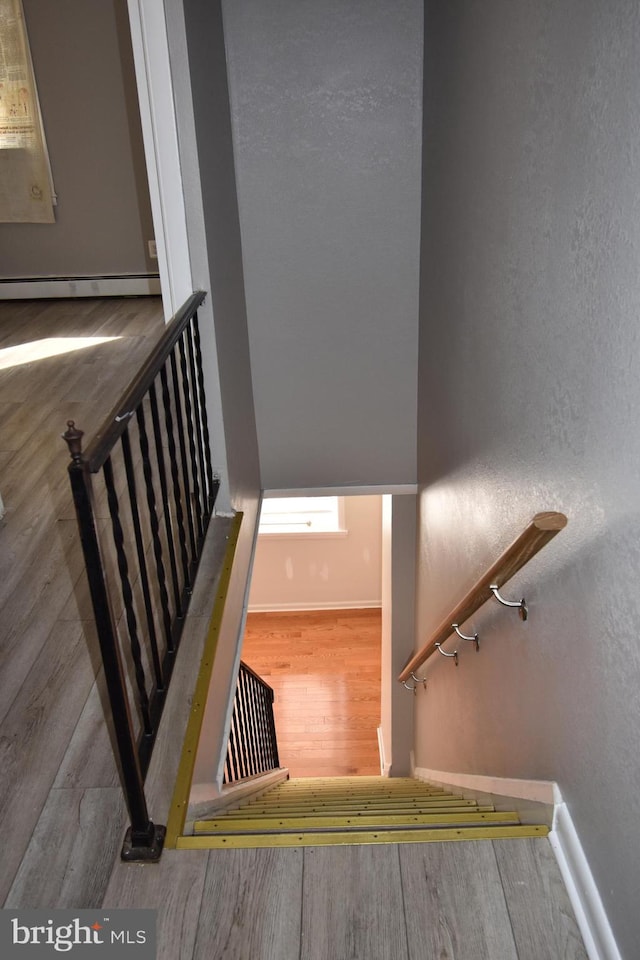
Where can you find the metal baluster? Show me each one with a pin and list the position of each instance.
(198, 438)
(264, 709)
(249, 759)
(127, 595)
(272, 732)
(155, 528)
(255, 723)
(239, 731)
(162, 474)
(142, 563)
(257, 706)
(183, 456)
(233, 739)
(213, 484)
(186, 397)
(252, 718)
(173, 459)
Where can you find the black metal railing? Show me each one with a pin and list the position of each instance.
(144, 493)
(252, 747)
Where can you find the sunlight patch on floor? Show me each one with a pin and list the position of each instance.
(49, 347)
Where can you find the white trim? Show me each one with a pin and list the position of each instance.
(385, 768)
(38, 288)
(359, 491)
(318, 605)
(159, 132)
(267, 536)
(304, 518)
(538, 791)
(586, 902)
(206, 799)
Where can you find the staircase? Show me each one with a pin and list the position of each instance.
(355, 810)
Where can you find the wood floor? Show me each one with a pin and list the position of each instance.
(487, 900)
(62, 817)
(54, 746)
(324, 667)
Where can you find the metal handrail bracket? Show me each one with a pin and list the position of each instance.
(542, 528)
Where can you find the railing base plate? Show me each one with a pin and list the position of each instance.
(144, 854)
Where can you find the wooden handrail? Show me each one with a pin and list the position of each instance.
(533, 538)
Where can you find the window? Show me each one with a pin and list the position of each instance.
(303, 516)
(26, 190)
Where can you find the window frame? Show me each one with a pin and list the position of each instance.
(305, 531)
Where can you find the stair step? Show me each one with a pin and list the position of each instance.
(360, 822)
(349, 810)
(358, 791)
(346, 809)
(285, 801)
(333, 838)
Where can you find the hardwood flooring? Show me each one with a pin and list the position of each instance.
(324, 667)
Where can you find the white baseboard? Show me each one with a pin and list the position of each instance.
(206, 799)
(37, 288)
(563, 837)
(324, 605)
(590, 914)
(385, 768)
(538, 791)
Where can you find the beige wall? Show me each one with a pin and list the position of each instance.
(305, 573)
(84, 70)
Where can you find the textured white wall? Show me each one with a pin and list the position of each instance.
(326, 104)
(529, 400)
(304, 573)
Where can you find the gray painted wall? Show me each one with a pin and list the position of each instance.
(528, 400)
(84, 70)
(206, 147)
(326, 102)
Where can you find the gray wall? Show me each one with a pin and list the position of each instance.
(326, 117)
(528, 399)
(202, 97)
(84, 70)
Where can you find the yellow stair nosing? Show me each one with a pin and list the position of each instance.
(348, 807)
(345, 811)
(284, 795)
(297, 839)
(260, 824)
(397, 801)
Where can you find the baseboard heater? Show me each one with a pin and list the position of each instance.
(121, 285)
